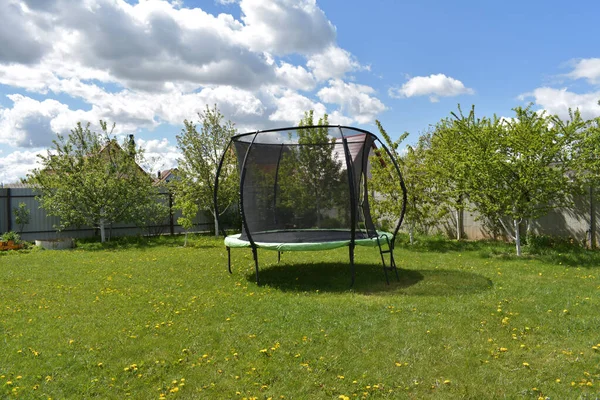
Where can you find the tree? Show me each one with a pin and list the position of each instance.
(447, 160)
(422, 210)
(87, 178)
(587, 168)
(384, 183)
(22, 216)
(519, 168)
(201, 154)
(311, 172)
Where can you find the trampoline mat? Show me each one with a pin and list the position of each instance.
(305, 236)
(300, 240)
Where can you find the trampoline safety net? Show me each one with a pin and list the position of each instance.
(300, 184)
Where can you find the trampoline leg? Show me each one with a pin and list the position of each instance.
(255, 255)
(228, 258)
(352, 267)
(278, 257)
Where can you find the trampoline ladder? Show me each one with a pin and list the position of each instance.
(390, 251)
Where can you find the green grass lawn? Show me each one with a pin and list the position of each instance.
(151, 319)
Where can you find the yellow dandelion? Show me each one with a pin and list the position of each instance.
(447, 382)
(526, 364)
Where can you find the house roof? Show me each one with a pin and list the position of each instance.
(14, 185)
(165, 176)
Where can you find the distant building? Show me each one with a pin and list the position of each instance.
(166, 176)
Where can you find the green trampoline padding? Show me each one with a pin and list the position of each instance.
(235, 241)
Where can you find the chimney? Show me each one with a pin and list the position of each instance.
(158, 174)
(131, 146)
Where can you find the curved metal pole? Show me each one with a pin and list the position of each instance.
(363, 178)
(350, 169)
(402, 186)
(242, 213)
(216, 186)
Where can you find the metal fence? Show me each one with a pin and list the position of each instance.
(574, 222)
(41, 226)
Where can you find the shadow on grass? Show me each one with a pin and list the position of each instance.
(370, 280)
(575, 258)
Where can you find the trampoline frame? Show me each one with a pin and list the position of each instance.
(353, 200)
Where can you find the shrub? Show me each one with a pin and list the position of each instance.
(543, 242)
(12, 235)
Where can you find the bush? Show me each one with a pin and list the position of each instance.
(544, 242)
(12, 235)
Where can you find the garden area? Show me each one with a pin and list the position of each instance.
(149, 318)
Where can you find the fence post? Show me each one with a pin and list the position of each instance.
(8, 211)
(171, 222)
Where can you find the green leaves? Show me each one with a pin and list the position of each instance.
(201, 153)
(88, 179)
(311, 178)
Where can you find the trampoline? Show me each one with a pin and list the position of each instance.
(306, 189)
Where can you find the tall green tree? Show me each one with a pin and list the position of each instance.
(587, 168)
(201, 153)
(448, 164)
(87, 178)
(384, 184)
(311, 172)
(519, 168)
(422, 210)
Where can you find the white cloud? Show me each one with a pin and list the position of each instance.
(587, 68)
(558, 101)
(159, 154)
(22, 40)
(434, 86)
(295, 77)
(29, 122)
(18, 164)
(152, 62)
(285, 26)
(355, 101)
(291, 107)
(333, 62)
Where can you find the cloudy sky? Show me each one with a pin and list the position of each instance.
(149, 64)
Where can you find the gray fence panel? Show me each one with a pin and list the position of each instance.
(42, 226)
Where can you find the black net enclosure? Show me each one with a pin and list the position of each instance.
(306, 188)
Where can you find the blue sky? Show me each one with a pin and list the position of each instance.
(148, 65)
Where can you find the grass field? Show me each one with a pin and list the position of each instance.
(151, 319)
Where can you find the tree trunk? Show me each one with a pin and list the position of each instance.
(592, 231)
(411, 233)
(216, 219)
(102, 231)
(459, 224)
(517, 224)
(185, 240)
(459, 218)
